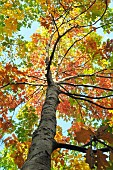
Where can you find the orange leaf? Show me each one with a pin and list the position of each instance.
(19, 160)
(14, 87)
(1, 122)
(84, 135)
(62, 162)
(14, 136)
(0, 136)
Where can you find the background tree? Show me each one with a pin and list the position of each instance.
(66, 64)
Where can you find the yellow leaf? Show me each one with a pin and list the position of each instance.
(8, 5)
(110, 111)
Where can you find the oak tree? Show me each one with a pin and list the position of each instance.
(64, 72)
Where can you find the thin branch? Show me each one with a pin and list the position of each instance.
(87, 100)
(63, 15)
(81, 38)
(18, 83)
(36, 77)
(84, 96)
(52, 55)
(85, 10)
(104, 143)
(109, 77)
(59, 64)
(92, 97)
(81, 112)
(99, 18)
(85, 75)
(85, 85)
(82, 12)
(55, 26)
(31, 95)
(51, 37)
(88, 143)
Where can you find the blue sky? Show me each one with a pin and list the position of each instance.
(27, 32)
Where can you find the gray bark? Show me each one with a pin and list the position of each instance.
(43, 143)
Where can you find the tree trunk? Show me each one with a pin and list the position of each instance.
(39, 157)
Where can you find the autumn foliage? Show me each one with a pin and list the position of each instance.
(69, 33)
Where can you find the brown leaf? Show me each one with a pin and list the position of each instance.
(1, 122)
(90, 157)
(84, 135)
(107, 136)
(101, 130)
(103, 134)
(101, 160)
(111, 155)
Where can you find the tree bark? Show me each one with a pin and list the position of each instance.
(43, 143)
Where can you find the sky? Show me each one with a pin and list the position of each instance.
(27, 32)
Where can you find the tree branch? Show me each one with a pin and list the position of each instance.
(90, 97)
(18, 83)
(85, 85)
(87, 100)
(71, 147)
(82, 12)
(85, 75)
(99, 18)
(52, 55)
(110, 147)
(78, 148)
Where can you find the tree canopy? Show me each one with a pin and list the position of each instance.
(67, 46)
